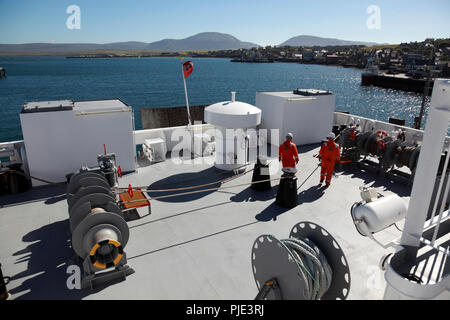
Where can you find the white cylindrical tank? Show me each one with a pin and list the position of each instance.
(232, 120)
(379, 214)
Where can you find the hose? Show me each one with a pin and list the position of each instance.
(315, 270)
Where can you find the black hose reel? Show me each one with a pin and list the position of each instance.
(284, 272)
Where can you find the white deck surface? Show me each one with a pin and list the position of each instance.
(191, 247)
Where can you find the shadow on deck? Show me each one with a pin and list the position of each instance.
(186, 180)
(375, 181)
(51, 194)
(47, 257)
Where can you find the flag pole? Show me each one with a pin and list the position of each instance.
(188, 112)
(185, 93)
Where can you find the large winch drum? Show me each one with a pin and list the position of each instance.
(377, 215)
(84, 178)
(99, 230)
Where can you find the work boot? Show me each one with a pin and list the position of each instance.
(322, 178)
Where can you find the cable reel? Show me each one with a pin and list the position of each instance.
(362, 142)
(89, 234)
(83, 179)
(100, 239)
(407, 155)
(99, 230)
(398, 156)
(348, 138)
(310, 265)
(382, 143)
(389, 156)
(84, 206)
(99, 234)
(84, 191)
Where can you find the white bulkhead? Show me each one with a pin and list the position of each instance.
(306, 113)
(62, 136)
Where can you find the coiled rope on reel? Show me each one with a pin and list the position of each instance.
(309, 265)
(314, 266)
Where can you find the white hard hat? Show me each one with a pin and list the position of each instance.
(331, 135)
(289, 135)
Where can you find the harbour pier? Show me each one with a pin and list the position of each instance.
(399, 82)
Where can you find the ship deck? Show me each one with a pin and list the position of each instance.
(195, 246)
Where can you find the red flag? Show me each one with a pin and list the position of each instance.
(188, 66)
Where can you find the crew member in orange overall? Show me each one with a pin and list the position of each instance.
(329, 154)
(287, 153)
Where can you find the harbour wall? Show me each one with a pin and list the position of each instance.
(401, 83)
(170, 117)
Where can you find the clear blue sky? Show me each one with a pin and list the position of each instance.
(265, 22)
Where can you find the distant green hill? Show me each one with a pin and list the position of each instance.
(311, 41)
(201, 41)
(70, 47)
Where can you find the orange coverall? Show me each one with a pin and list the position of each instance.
(329, 153)
(288, 154)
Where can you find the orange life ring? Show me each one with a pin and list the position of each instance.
(382, 134)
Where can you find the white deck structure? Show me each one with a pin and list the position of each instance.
(191, 247)
(198, 246)
(61, 135)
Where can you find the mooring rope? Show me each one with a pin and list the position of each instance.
(199, 191)
(138, 188)
(126, 190)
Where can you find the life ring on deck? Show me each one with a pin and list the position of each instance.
(382, 134)
(381, 144)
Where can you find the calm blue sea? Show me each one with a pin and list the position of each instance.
(157, 82)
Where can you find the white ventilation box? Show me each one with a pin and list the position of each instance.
(155, 149)
(62, 136)
(307, 114)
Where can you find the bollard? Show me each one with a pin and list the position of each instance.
(260, 173)
(4, 294)
(287, 190)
